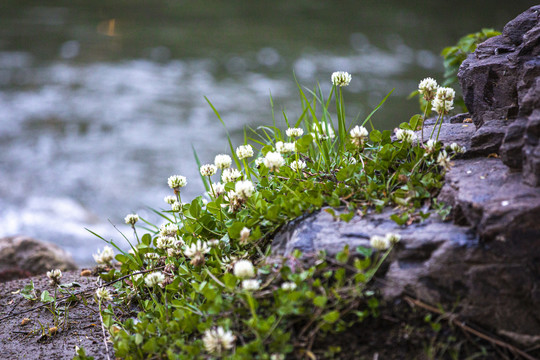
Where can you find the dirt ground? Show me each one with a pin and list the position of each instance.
(32, 340)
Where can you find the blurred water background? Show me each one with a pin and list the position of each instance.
(101, 101)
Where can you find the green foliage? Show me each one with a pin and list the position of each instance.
(205, 306)
(455, 55)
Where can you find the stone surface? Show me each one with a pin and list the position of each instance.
(22, 256)
(501, 88)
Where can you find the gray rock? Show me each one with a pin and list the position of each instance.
(501, 83)
(26, 256)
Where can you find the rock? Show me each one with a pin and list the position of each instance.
(21, 256)
(501, 88)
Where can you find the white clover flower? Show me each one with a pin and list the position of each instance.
(379, 243)
(168, 229)
(456, 148)
(273, 160)
(218, 188)
(251, 284)
(208, 169)
(170, 199)
(277, 357)
(259, 161)
(288, 286)
(54, 276)
(176, 206)
(217, 340)
(105, 257)
(284, 148)
(393, 238)
(297, 165)
(442, 106)
(430, 146)
(341, 78)
(326, 132)
(103, 294)
(151, 256)
(244, 189)
(244, 269)
(244, 151)
(444, 100)
(230, 175)
(358, 134)
(136, 277)
(428, 88)
(165, 242)
(131, 219)
(198, 248)
(177, 181)
(294, 132)
(154, 279)
(223, 161)
(407, 136)
(244, 234)
(444, 160)
(172, 252)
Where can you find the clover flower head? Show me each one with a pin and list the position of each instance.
(244, 269)
(341, 78)
(170, 199)
(136, 277)
(251, 284)
(445, 93)
(259, 161)
(277, 356)
(177, 181)
(393, 238)
(176, 206)
(230, 175)
(442, 107)
(456, 148)
(131, 219)
(223, 161)
(103, 294)
(273, 160)
(244, 235)
(104, 257)
(168, 229)
(428, 88)
(208, 169)
(197, 248)
(297, 165)
(407, 136)
(430, 146)
(294, 132)
(326, 132)
(244, 151)
(235, 201)
(218, 188)
(444, 160)
(217, 340)
(151, 256)
(244, 189)
(54, 276)
(359, 132)
(288, 286)
(154, 279)
(286, 147)
(379, 242)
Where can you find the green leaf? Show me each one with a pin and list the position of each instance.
(320, 301)
(46, 297)
(146, 239)
(375, 136)
(331, 317)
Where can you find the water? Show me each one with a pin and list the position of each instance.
(101, 101)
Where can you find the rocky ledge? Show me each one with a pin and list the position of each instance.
(484, 264)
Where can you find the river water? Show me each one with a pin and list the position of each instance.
(100, 101)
